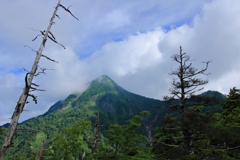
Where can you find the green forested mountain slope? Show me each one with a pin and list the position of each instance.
(115, 104)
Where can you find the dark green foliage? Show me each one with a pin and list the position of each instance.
(215, 94)
(170, 140)
(216, 107)
(29, 156)
(231, 114)
(189, 134)
(2, 130)
(124, 142)
(213, 136)
(70, 143)
(228, 122)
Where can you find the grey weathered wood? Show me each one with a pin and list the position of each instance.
(40, 150)
(8, 142)
(96, 136)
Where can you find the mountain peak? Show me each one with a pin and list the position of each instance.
(215, 94)
(103, 84)
(104, 79)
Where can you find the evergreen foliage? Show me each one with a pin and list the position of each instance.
(189, 121)
(191, 133)
(70, 143)
(125, 135)
(231, 114)
(124, 142)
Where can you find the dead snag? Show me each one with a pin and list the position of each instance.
(8, 141)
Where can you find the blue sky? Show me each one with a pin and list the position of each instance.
(130, 41)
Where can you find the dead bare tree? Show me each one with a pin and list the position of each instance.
(96, 136)
(40, 150)
(29, 85)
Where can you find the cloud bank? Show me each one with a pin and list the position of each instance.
(131, 42)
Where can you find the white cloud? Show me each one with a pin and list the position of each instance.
(223, 84)
(11, 89)
(139, 61)
(211, 37)
(129, 56)
(67, 76)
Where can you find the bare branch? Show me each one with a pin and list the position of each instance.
(67, 9)
(36, 37)
(52, 38)
(176, 146)
(30, 48)
(170, 110)
(231, 148)
(49, 58)
(52, 35)
(34, 97)
(174, 138)
(35, 89)
(89, 137)
(42, 71)
(35, 84)
(25, 70)
(33, 29)
(57, 16)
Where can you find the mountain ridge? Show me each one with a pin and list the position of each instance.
(116, 106)
(111, 87)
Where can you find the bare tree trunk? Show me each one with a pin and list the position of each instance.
(40, 150)
(23, 98)
(96, 137)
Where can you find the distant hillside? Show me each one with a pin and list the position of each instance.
(116, 105)
(215, 94)
(217, 107)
